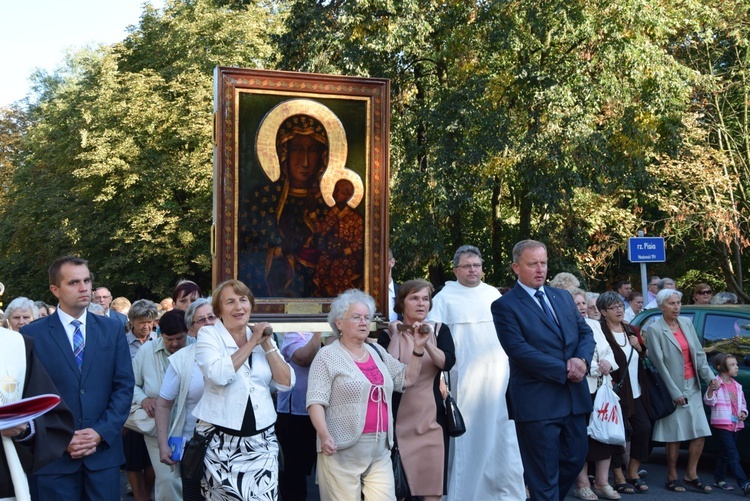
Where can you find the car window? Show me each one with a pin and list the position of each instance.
(657, 315)
(727, 333)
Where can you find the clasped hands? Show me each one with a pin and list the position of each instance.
(83, 443)
(576, 370)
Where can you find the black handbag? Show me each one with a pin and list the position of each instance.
(453, 418)
(192, 465)
(399, 475)
(661, 401)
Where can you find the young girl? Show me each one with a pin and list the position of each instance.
(728, 413)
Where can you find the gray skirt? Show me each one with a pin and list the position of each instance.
(686, 422)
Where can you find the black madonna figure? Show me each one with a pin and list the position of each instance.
(302, 148)
(279, 219)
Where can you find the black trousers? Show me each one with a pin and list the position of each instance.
(296, 436)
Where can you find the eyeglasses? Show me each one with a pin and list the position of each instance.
(204, 320)
(470, 266)
(616, 307)
(704, 292)
(357, 319)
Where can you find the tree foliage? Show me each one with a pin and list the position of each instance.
(117, 163)
(577, 123)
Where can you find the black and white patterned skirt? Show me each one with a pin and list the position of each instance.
(242, 468)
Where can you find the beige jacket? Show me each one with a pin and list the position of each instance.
(665, 353)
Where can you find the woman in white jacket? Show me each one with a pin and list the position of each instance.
(601, 365)
(238, 365)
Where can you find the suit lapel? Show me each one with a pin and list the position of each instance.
(556, 302)
(669, 335)
(60, 337)
(534, 306)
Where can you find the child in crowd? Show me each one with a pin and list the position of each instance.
(728, 413)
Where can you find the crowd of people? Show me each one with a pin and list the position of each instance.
(262, 410)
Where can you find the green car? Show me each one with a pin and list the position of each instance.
(721, 329)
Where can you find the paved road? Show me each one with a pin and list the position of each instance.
(657, 473)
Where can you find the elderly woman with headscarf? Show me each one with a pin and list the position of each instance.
(149, 366)
(349, 398)
(21, 311)
(677, 353)
(279, 246)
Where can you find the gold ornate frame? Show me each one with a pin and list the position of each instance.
(249, 105)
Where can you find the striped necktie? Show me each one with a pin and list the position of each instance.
(78, 343)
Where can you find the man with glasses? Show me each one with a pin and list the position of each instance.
(485, 463)
(653, 289)
(664, 283)
(103, 297)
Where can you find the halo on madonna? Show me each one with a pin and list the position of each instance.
(338, 148)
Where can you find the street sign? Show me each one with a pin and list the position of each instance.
(646, 250)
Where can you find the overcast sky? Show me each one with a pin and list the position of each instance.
(38, 34)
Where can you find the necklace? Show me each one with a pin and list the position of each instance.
(352, 355)
(625, 342)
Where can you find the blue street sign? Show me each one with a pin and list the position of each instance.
(646, 250)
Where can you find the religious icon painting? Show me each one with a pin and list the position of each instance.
(300, 186)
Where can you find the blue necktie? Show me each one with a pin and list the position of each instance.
(540, 296)
(78, 343)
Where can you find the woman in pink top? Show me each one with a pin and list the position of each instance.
(349, 396)
(675, 350)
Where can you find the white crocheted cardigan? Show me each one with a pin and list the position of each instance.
(337, 384)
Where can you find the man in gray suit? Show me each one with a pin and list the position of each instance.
(103, 297)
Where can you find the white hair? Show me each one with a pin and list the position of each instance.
(341, 305)
(665, 294)
(22, 303)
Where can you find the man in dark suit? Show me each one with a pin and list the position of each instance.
(90, 364)
(550, 348)
(103, 297)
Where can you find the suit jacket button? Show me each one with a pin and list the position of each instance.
(83, 391)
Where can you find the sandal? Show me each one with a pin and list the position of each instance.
(638, 483)
(724, 486)
(585, 493)
(606, 492)
(698, 485)
(625, 488)
(675, 486)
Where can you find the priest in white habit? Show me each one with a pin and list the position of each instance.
(484, 463)
(35, 443)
